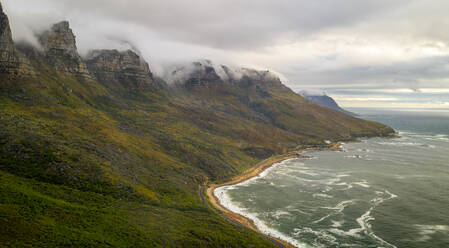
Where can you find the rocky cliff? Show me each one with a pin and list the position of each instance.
(126, 167)
(126, 68)
(8, 59)
(12, 62)
(204, 74)
(61, 52)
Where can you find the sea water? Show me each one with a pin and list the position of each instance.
(374, 193)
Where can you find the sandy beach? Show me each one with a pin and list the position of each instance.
(257, 170)
(261, 167)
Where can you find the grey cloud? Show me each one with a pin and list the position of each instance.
(415, 74)
(231, 24)
(250, 31)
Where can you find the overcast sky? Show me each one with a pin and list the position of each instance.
(370, 53)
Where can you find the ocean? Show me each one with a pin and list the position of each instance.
(373, 193)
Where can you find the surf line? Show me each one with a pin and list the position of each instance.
(258, 170)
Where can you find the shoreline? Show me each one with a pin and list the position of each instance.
(252, 173)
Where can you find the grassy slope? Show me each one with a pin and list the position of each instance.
(85, 165)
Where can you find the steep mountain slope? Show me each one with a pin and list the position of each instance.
(326, 101)
(94, 153)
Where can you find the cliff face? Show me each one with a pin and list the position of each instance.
(8, 59)
(77, 148)
(202, 75)
(60, 49)
(255, 78)
(207, 75)
(126, 68)
(11, 61)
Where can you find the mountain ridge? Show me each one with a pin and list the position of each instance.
(98, 152)
(326, 101)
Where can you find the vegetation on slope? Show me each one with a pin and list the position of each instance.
(82, 166)
(86, 164)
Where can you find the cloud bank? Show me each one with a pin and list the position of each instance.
(371, 47)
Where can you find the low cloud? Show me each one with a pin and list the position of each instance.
(323, 45)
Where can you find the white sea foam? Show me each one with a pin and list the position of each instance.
(307, 172)
(343, 175)
(322, 234)
(363, 183)
(431, 137)
(426, 231)
(333, 181)
(317, 179)
(261, 175)
(366, 218)
(310, 158)
(340, 232)
(317, 195)
(226, 201)
(354, 156)
(401, 143)
(279, 213)
(348, 186)
(339, 207)
(292, 208)
(364, 150)
(337, 223)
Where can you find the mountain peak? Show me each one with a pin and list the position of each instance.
(59, 44)
(64, 25)
(59, 39)
(5, 29)
(126, 68)
(205, 73)
(9, 60)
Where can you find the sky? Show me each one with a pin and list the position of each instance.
(370, 53)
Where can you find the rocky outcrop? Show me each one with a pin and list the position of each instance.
(126, 68)
(266, 79)
(196, 74)
(202, 74)
(8, 58)
(12, 62)
(205, 74)
(61, 52)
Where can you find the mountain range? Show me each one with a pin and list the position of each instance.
(97, 151)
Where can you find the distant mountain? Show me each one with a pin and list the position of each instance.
(326, 101)
(99, 152)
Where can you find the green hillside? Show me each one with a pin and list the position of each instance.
(98, 152)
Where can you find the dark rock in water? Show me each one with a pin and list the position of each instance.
(59, 44)
(326, 101)
(11, 61)
(126, 68)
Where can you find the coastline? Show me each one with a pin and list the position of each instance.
(252, 173)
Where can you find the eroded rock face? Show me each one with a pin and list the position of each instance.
(202, 75)
(8, 58)
(126, 68)
(59, 44)
(206, 74)
(251, 77)
(10, 62)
